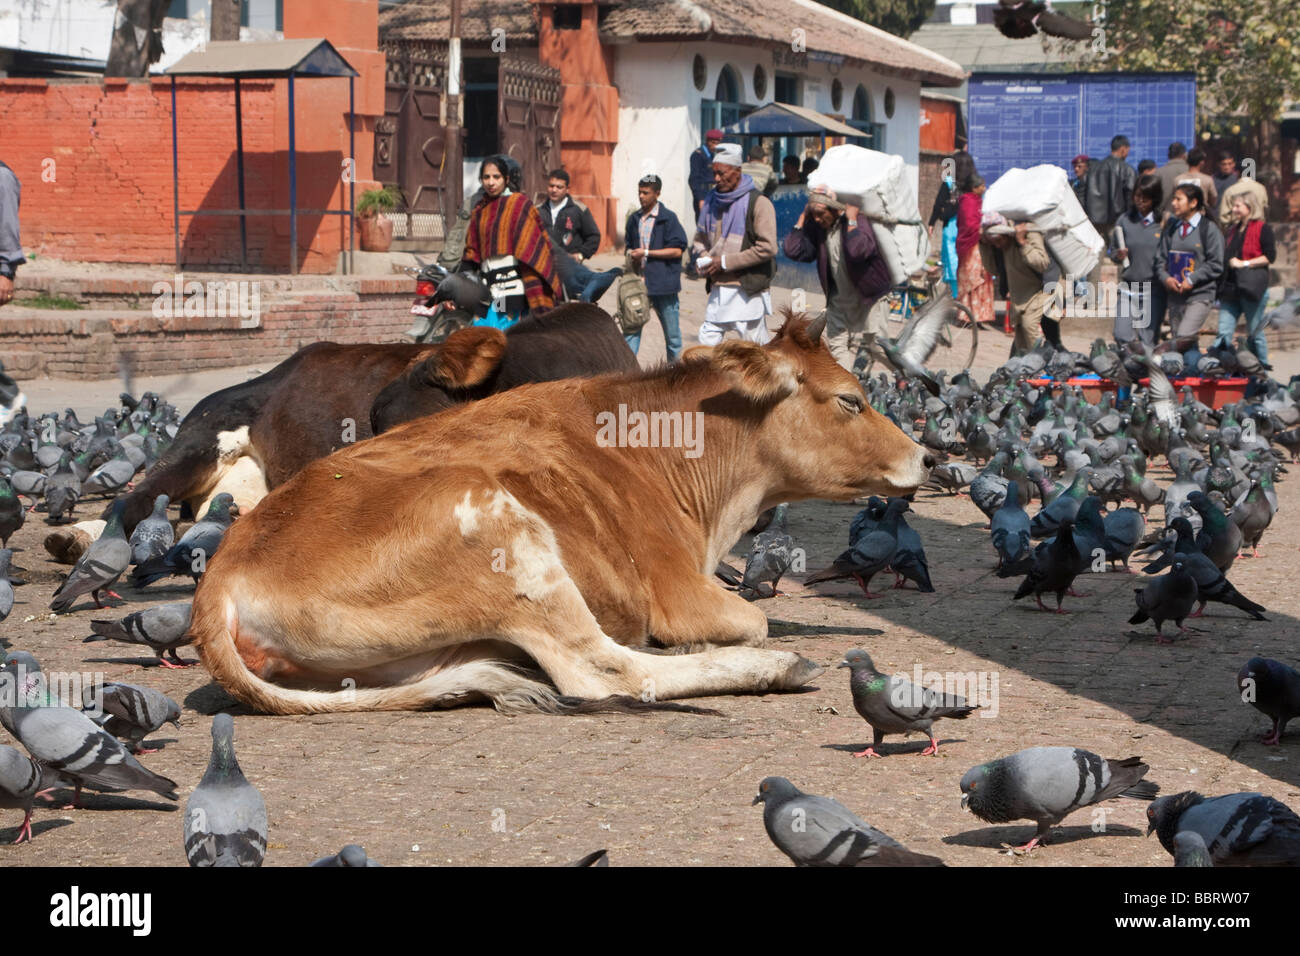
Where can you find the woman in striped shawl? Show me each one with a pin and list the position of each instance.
(504, 223)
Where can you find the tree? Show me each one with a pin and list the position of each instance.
(137, 37)
(900, 17)
(1243, 55)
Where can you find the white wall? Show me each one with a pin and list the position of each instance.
(659, 109)
(84, 28)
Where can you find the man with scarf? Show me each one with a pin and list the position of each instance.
(734, 250)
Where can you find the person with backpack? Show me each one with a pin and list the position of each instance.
(655, 241)
(735, 251)
(852, 272)
(1250, 249)
(1189, 261)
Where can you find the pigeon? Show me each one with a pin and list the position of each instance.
(954, 476)
(154, 536)
(103, 563)
(1168, 597)
(163, 629)
(66, 741)
(594, 858)
(352, 855)
(1190, 850)
(1273, 689)
(1124, 528)
(871, 554)
(1011, 532)
(909, 562)
(20, 781)
(225, 817)
(12, 512)
(1211, 585)
(1055, 566)
(770, 556)
(6, 586)
(1020, 19)
(819, 831)
(1252, 514)
(110, 477)
(1046, 784)
(1220, 539)
(196, 547)
(894, 705)
(62, 491)
(1064, 507)
(1240, 829)
(128, 712)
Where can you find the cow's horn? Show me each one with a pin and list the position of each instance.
(816, 327)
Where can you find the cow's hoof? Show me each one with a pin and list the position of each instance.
(800, 672)
(67, 545)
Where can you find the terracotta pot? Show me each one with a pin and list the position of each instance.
(376, 233)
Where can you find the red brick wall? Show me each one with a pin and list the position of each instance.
(89, 345)
(95, 162)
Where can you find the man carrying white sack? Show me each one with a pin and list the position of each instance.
(735, 249)
(853, 274)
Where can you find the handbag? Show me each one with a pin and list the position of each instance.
(633, 301)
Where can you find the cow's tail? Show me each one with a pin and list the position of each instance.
(510, 689)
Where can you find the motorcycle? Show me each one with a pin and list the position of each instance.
(448, 301)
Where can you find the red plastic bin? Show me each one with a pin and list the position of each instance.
(1215, 392)
(1092, 387)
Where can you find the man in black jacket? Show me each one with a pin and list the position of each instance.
(574, 237)
(1110, 186)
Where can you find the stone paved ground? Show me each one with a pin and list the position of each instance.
(472, 787)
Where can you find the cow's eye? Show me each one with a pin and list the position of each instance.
(852, 402)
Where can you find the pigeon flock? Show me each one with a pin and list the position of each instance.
(1068, 487)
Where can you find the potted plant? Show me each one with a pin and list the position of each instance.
(376, 231)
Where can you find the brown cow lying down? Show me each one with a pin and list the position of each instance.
(419, 568)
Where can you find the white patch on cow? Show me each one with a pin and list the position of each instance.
(466, 515)
(232, 445)
(534, 560)
(242, 480)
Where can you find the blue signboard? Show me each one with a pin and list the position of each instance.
(1024, 119)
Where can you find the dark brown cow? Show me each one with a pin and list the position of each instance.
(252, 437)
(543, 526)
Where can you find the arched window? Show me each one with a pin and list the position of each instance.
(726, 106)
(873, 134)
(728, 90)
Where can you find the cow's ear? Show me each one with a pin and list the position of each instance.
(467, 358)
(697, 352)
(761, 375)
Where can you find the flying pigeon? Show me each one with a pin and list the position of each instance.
(225, 817)
(894, 705)
(163, 629)
(1273, 689)
(1046, 784)
(1240, 829)
(819, 831)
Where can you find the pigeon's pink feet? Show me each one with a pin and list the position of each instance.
(146, 750)
(1200, 611)
(867, 753)
(1161, 639)
(1073, 593)
(176, 667)
(114, 594)
(1272, 738)
(25, 831)
(932, 749)
(1061, 610)
(1028, 846)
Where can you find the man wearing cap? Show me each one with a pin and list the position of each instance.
(853, 274)
(735, 250)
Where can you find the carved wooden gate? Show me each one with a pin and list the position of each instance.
(411, 149)
(528, 118)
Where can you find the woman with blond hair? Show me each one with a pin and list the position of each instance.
(1249, 250)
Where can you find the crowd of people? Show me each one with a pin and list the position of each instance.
(1191, 245)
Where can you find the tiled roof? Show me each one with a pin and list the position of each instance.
(769, 22)
(430, 20)
(982, 47)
